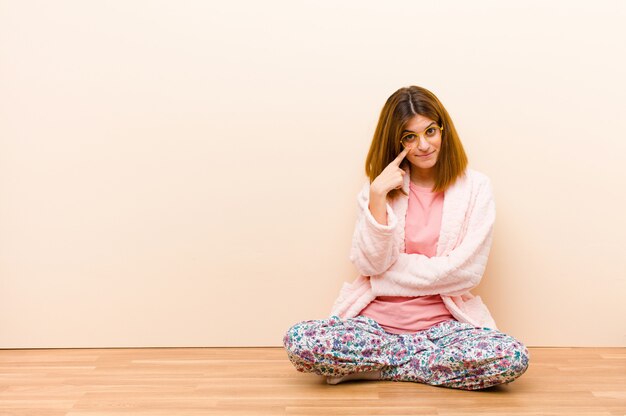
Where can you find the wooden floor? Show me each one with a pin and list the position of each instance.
(261, 381)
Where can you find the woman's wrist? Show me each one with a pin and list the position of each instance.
(378, 207)
(376, 195)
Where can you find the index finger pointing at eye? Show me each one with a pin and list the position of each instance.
(401, 156)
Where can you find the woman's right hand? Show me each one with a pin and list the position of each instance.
(392, 177)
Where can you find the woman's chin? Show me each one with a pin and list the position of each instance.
(423, 164)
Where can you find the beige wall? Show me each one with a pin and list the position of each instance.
(185, 173)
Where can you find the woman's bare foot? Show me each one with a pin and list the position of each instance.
(366, 375)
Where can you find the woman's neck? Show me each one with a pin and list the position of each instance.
(423, 178)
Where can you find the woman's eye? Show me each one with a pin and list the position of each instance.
(430, 131)
(409, 137)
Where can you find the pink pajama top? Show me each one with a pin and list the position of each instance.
(401, 314)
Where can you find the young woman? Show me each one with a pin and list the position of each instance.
(421, 242)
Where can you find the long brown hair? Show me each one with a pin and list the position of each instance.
(400, 107)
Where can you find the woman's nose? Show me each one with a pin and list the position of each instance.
(422, 143)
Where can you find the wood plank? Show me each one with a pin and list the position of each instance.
(261, 381)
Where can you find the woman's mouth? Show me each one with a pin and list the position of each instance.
(425, 156)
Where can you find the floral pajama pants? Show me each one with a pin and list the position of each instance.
(449, 354)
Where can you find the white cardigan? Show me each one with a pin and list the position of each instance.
(462, 251)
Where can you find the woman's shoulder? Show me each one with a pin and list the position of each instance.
(477, 177)
(471, 177)
(472, 181)
(479, 183)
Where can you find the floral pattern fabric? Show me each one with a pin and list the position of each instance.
(450, 354)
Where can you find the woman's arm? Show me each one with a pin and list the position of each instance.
(459, 271)
(373, 247)
(378, 207)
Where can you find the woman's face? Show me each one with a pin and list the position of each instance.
(426, 142)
